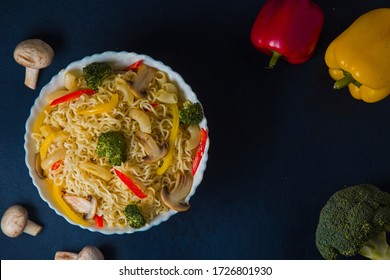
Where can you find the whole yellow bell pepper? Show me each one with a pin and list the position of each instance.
(360, 57)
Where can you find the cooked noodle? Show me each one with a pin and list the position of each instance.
(84, 130)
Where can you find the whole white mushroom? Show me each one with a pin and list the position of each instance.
(15, 221)
(87, 253)
(34, 54)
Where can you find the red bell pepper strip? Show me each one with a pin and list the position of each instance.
(288, 29)
(200, 151)
(98, 221)
(72, 96)
(154, 105)
(130, 184)
(134, 66)
(56, 165)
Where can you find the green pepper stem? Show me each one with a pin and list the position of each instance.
(274, 59)
(345, 81)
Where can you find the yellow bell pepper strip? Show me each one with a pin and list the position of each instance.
(360, 57)
(46, 130)
(52, 137)
(46, 144)
(172, 138)
(72, 96)
(130, 184)
(41, 118)
(200, 151)
(103, 108)
(64, 208)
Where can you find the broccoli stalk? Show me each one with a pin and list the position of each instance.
(355, 221)
(112, 145)
(134, 217)
(376, 248)
(191, 113)
(95, 73)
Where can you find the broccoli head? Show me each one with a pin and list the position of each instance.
(191, 113)
(95, 73)
(134, 217)
(112, 145)
(355, 221)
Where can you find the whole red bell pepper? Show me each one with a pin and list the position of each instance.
(288, 29)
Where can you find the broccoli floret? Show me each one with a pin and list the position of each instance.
(134, 217)
(191, 113)
(112, 145)
(95, 73)
(355, 221)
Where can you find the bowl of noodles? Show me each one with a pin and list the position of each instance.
(116, 143)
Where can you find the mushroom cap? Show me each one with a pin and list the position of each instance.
(90, 253)
(14, 221)
(153, 151)
(144, 76)
(33, 53)
(87, 253)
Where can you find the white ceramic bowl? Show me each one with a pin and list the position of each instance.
(117, 60)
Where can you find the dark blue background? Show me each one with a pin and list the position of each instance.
(282, 141)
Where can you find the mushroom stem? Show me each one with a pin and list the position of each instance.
(31, 77)
(62, 255)
(32, 228)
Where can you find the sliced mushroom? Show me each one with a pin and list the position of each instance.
(38, 167)
(153, 151)
(136, 92)
(87, 207)
(193, 142)
(144, 76)
(175, 198)
(87, 253)
(127, 90)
